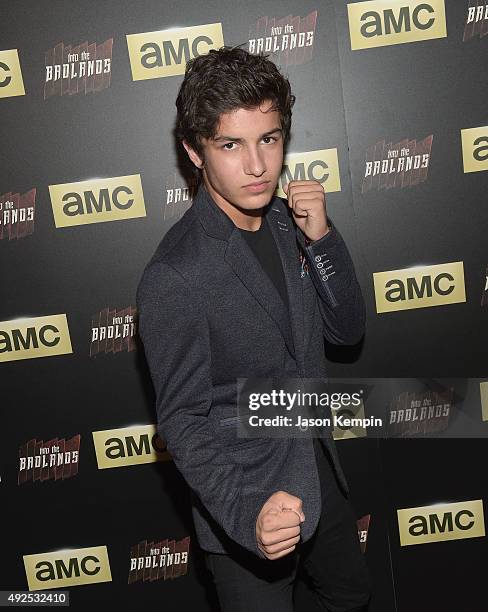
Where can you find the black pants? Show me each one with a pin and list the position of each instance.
(331, 562)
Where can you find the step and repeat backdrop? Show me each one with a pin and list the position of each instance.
(391, 117)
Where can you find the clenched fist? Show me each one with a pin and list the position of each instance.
(307, 202)
(278, 525)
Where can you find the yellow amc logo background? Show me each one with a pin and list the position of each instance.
(11, 82)
(321, 166)
(154, 55)
(474, 142)
(426, 524)
(419, 287)
(65, 568)
(97, 201)
(356, 431)
(392, 22)
(484, 400)
(36, 337)
(129, 446)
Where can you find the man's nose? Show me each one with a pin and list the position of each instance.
(254, 162)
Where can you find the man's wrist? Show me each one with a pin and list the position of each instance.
(309, 242)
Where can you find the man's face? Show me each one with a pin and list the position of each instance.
(243, 161)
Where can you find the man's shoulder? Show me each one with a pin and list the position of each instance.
(172, 252)
(174, 243)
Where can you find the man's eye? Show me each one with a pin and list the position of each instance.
(269, 138)
(228, 144)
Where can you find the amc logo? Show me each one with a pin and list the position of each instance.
(474, 142)
(129, 446)
(11, 83)
(96, 201)
(419, 287)
(161, 54)
(321, 166)
(392, 22)
(37, 337)
(66, 568)
(437, 523)
(340, 432)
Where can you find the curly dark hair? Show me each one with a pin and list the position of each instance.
(224, 80)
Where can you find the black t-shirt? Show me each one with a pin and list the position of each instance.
(264, 247)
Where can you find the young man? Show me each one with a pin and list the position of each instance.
(247, 284)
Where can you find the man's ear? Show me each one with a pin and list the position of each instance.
(195, 158)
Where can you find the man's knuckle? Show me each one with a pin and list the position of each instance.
(268, 522)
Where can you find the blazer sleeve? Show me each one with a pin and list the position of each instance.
(341, 301)
(174, 329)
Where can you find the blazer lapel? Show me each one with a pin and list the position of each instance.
(284, 232)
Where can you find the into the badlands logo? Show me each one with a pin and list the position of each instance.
(56, 459)
(420, 413)
(290, 39)
(163, 560)
(80, 69)
(476, 20)
(401, 164)
(17, 214)
(113, 331)
(178, 196)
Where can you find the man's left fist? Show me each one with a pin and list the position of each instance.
(307, 202)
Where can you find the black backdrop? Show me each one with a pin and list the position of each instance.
(346, 100)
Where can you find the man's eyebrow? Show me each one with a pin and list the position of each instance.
(232, 139)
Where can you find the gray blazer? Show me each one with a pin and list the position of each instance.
(209, 314)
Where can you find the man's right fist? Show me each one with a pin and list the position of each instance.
(278, 525)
